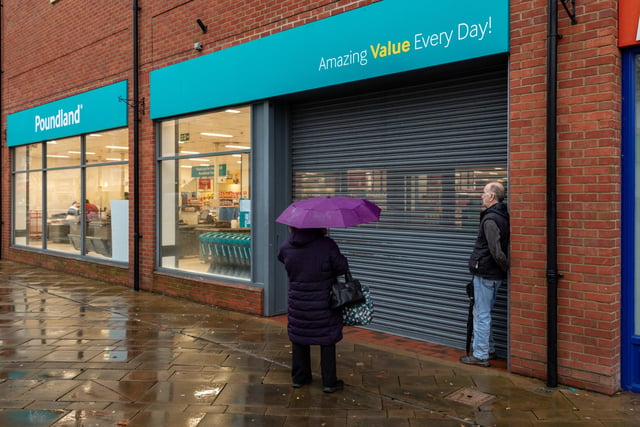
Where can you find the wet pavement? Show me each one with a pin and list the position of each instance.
(79, 352)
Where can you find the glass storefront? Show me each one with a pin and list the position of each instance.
(205, 193)
(68, 194)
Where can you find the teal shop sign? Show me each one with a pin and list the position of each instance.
(91, 111)
(202, 171)
(387, 37)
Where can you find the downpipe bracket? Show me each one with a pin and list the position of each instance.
(554, 276)
(572, 12)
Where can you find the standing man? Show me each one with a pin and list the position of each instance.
(488, 263)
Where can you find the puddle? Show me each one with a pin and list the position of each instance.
(12, 375)
(29, 418)
(116, 356)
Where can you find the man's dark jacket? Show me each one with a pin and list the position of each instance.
(481, 262)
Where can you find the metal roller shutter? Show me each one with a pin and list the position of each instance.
(423, 154)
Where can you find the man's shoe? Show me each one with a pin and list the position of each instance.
(339, 386)
(472, 360)
(492, 355)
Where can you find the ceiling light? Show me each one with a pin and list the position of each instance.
(189, 152)
(239, 147)
(186, 166)
(113, 159)
(95, 134)
(232, 111)
(199, 160)
(58, 156)
(79, 152)
(236, 155)
(220, 135)
(52, 142)
(117, 147)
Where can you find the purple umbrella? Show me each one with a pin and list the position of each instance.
(329, 212)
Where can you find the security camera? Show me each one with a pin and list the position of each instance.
(197, 46)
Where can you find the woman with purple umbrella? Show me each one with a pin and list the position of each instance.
(313, 261)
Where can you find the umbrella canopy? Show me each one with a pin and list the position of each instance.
(329, 212)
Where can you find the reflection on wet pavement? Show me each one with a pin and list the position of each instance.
(77, 352)
(29, 417)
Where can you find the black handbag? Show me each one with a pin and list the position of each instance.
(344, 293)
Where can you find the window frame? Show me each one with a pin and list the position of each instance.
(167, 151)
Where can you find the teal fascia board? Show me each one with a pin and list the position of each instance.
(91, 111)
(388, 37)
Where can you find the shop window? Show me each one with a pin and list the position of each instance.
(28, 157)
(63, 152)
(205, 193)
(63, 208)
(65, 192)
(28, 209)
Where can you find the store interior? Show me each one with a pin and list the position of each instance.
(208, 157)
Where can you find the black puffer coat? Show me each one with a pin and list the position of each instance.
(312, 261)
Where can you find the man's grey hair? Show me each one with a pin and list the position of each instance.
(498, 189)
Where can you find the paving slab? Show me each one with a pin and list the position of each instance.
(80, 352)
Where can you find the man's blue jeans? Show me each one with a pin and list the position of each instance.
(485, 291)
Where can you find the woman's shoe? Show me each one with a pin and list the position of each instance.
(298, 385)
(339, 386)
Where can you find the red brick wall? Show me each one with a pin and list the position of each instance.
(84, 268)
(57, 50)
(248, 299)
(588, 206)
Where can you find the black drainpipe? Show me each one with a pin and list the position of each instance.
(552, 235)
(136, 143)
(552, 179)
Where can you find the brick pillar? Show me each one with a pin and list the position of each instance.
(589, 123)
